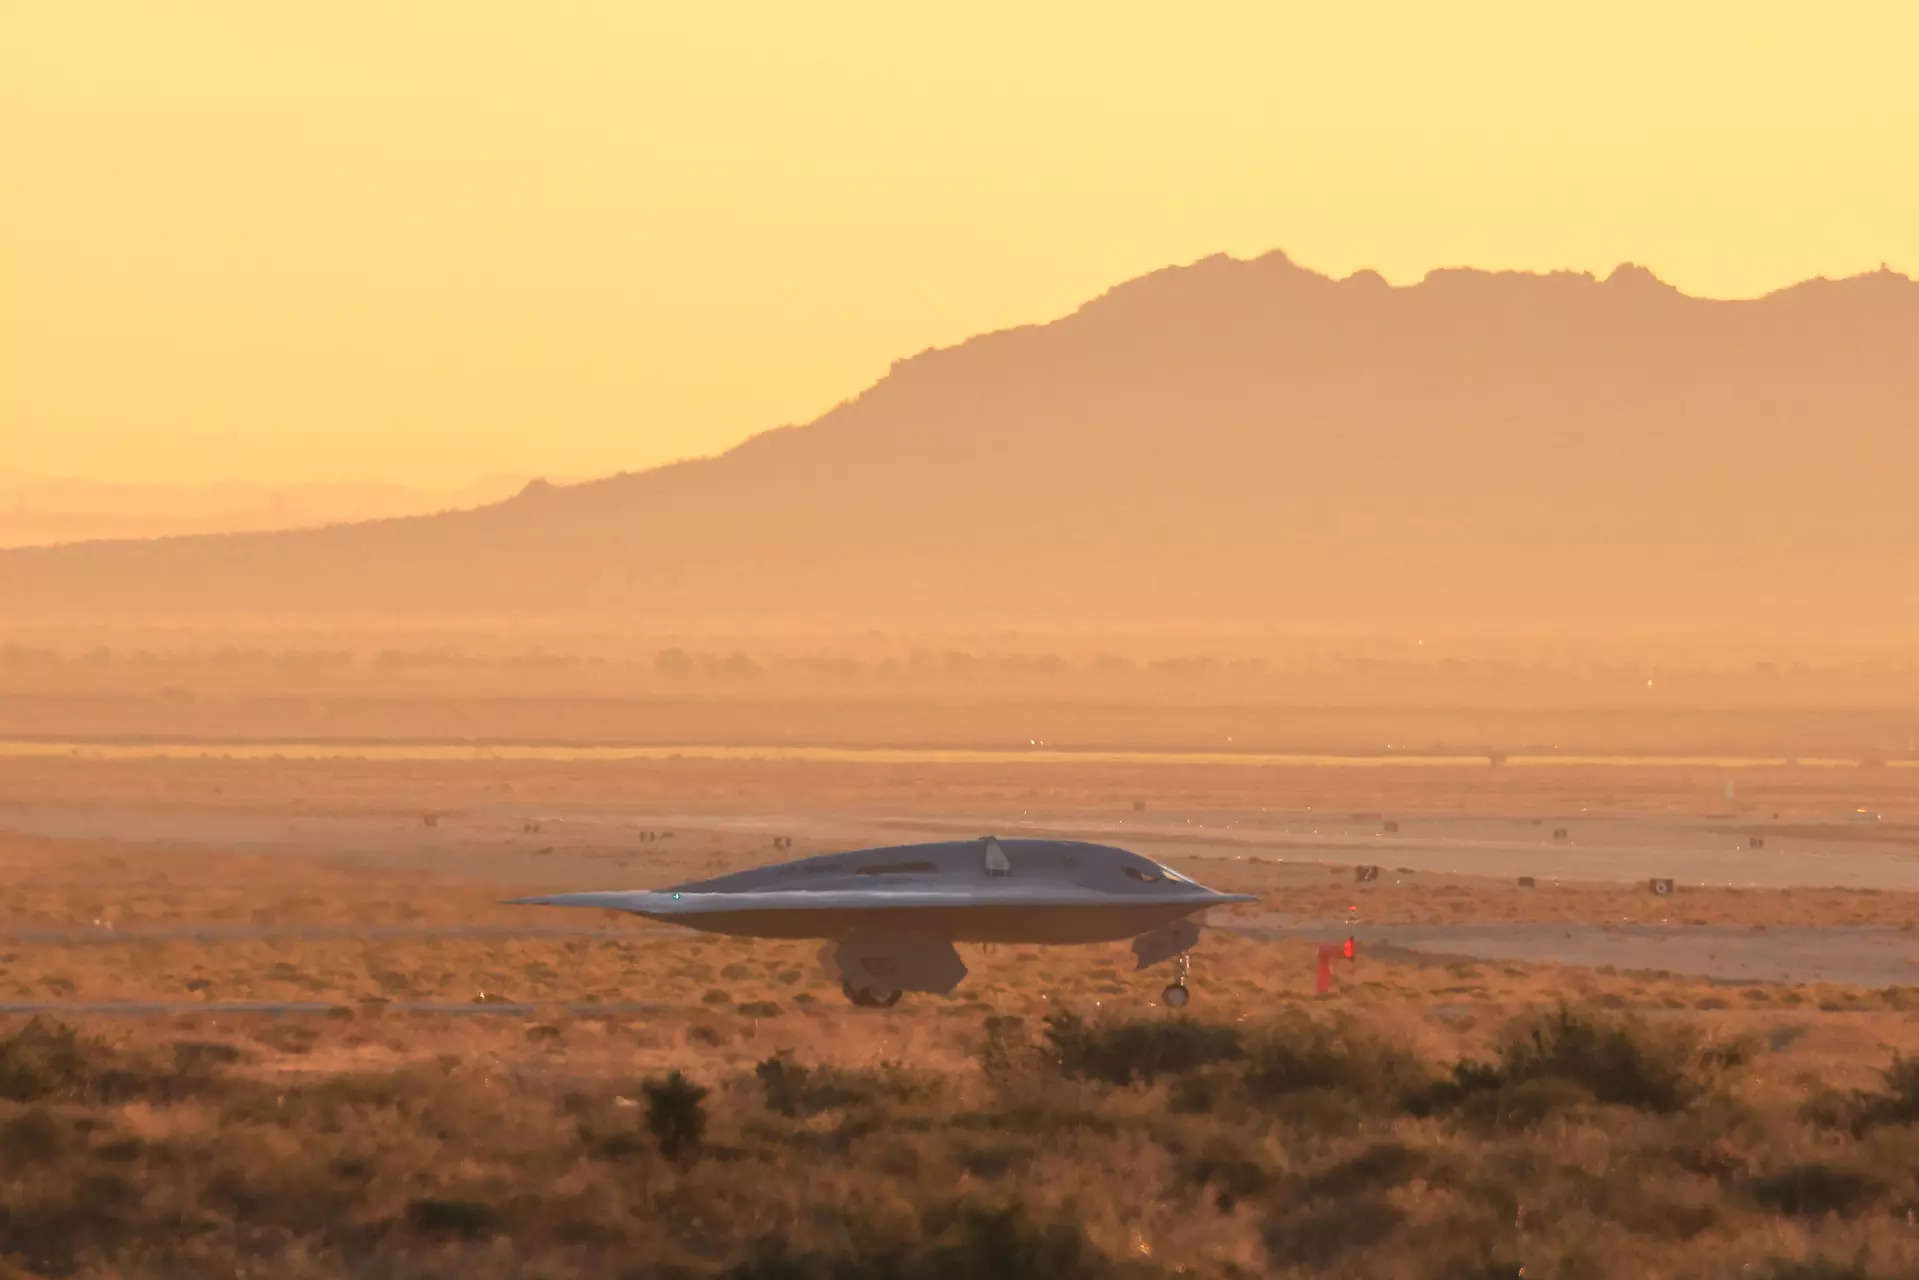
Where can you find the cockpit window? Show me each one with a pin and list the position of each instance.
(1141, 874)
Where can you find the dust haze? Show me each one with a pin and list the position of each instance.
(1230, 505)
(38, 510)
(1220, 443)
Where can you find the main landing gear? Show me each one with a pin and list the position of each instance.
(1177, 995)
(871, 997)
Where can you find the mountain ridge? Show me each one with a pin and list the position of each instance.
(1240, 434)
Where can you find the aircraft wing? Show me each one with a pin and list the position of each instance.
(667, 903)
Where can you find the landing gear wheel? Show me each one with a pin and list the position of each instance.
(1177, 995)
(871, 997)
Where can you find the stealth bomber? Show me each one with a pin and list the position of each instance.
(889, 917)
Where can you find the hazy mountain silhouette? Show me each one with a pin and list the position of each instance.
(1229, 439)
(36, 510)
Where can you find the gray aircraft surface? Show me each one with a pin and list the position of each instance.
(890, 916)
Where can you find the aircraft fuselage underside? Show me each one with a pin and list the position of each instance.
(1011, 922)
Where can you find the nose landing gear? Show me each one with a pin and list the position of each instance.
(1177, 995)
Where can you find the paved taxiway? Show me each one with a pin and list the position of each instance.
(599, 849)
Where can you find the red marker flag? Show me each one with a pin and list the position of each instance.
(1348, 950)
(1324, 982)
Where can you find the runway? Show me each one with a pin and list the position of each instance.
(597, 849)
(1863, 955)
(128, 934)
(577, 849)
(166, 1008)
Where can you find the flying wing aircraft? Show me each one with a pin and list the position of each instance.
(890, 916)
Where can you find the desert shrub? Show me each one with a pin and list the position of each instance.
(1506, 1106)
(1199, 1092)
(1469, 1076)
(47, 1061)
(890, 1082)
(121, 1150)
(202, 1056)
(50, 1235)
(1837, 1109)
(1298, 1054)
(1230, 1174)
(609, 1140)
(675, 1114)
(957, 1242)
(1643, 1195)
(1820, 1269)
(1295, 1058)
(990, 1160)
(328, 1103)
(1006, 1243)
(390, 981)
(1899, 1103)
(1612, 1059)
(288, 1037)
(793, 1090)
(1318, 1234)
(1007, 1048)
(1616, 1060)
(1119, 1053)
(50, 1060)
(1859, 1110)
(1380, 1166)
(1481, 1267)
(468, 1219)
(1814, 1190)
(35, 1136)
(784, 1083)
(759, 1009)
(1781, 1038)
(1718, 1058)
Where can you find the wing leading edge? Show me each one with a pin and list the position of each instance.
(659, 903)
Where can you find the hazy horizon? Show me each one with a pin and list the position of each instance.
(1226, 439)
(43, 510)
(817, 328)
(40, 510)
(424, 242)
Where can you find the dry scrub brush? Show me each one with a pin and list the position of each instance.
(1583, 1144)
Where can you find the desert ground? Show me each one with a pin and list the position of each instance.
(272, 1016)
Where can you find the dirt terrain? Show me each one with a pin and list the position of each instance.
(332, 933)
(449, 839)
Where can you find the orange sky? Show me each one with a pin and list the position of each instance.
(430, 242)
